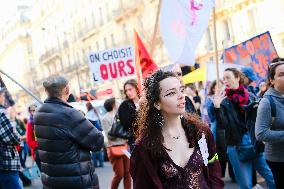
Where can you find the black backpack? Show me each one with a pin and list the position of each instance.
(251, 113)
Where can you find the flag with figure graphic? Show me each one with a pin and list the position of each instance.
(183, 28)
(9, 101)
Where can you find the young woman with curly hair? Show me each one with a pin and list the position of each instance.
(168, 153)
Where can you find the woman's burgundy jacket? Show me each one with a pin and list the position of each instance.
(144, 168)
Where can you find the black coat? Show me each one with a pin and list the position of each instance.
(127, 114)
(189, 107)
(65, 138)
(229, 118)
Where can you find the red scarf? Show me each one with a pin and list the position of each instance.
(239, 96)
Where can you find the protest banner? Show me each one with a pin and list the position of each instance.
(112, 64)
(183, 28)
(256, 52)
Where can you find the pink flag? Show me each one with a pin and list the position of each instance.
(183, 28)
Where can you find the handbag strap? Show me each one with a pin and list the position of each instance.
(272, 106)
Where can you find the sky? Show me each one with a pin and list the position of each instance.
(9, 7)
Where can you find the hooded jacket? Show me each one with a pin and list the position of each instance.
(272, 135)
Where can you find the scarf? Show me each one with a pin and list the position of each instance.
(239, 96)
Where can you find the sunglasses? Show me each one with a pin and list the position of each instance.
(275, 64)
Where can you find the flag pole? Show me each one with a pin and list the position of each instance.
(29, 92)
(215, 45)
(137, 62)
(153, 44)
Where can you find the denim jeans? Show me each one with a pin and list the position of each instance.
(98, 156)
(23, 154)
(10, 179)
(243, 169)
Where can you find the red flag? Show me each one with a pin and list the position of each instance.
(143, 59)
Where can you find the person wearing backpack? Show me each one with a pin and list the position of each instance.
(269, 129)
(230, 113)
(120, 162)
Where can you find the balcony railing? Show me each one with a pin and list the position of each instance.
(88, 32)
(49, 54)
(65, 44)
(126, 8)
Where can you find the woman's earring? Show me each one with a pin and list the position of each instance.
(160, 120)
(157, 107)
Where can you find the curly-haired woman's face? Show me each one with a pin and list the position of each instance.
(172, 100)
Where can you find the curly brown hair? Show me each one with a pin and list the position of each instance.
(149, 121)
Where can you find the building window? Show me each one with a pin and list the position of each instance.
(140, 22)
(98, 46)
(251, 21)
(101, 16)
(108, 12)
(54, 68)
(31, 63)
(125, 32)
(86, 24)
(30, 49)
(112, 40)
(93, 20)
(77, 58)
(46, 71)
(227, 30)
(105, 43)
(83, 56)
(58, 65)
(68, 60)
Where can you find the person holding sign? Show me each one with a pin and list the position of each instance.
(172, 150)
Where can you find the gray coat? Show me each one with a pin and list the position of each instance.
(272, 135)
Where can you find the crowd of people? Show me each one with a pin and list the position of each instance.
(166, 136)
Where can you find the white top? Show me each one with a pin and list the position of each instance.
(91, 115)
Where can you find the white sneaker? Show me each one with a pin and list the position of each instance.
(257, 186)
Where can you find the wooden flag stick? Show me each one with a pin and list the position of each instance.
(153, 44)
(216, 46)
(29, 92)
